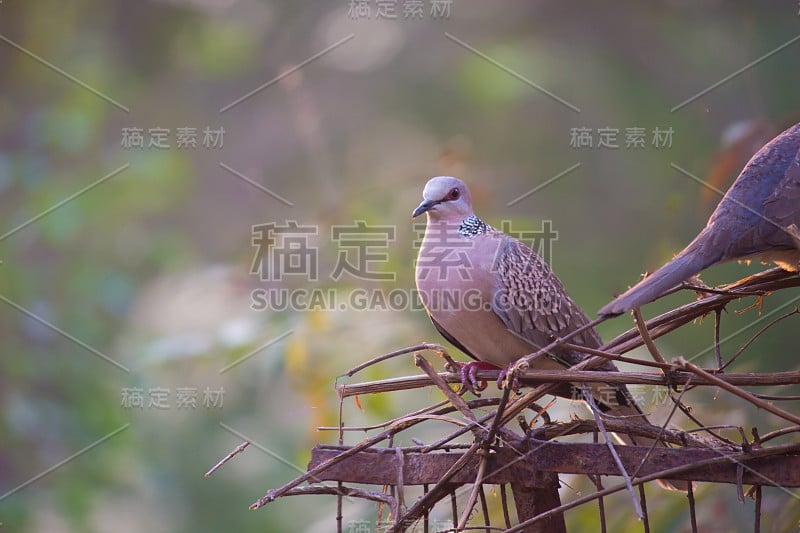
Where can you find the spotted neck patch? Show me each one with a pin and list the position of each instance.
(472, 226)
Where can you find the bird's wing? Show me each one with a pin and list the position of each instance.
(452, 340)
(783, 206)
(770, 185)
(532, 303)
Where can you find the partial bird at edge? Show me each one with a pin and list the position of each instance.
(758, 218)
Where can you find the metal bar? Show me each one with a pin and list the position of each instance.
(532, 502)
(643, 500)
(692, 510)
(419, 469)
(506, 467)
(757, 524)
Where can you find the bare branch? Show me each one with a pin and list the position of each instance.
(738, 392)
(236, 451)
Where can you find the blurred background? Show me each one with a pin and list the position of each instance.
(150, 150)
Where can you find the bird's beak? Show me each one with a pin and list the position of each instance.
(425, 206)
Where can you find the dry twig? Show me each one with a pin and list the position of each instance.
(236, 451)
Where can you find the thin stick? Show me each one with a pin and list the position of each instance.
(424, 346)
(557, 342)
(401, 484)
(758, 334)
(777, 397)
(692, 514)
(236, 451)
(717, 348)
(700, 426)
(427, 516)
(349, 492)
(648, 341)
(339, 499)
(473, 495)
(767, 281)
(757, 528)
(273, 494)
(498, 417)
(523, 402)
(454, 398)
(683, 363)
(530, 377)
(646, 518)
(424, 503)
(504, 505)
(724, 292)
(598, 483)
(779, 433)
(615, 357)
(478, 485)
(485, 511)
(469, 427)
(637, 429)
(661, 431)
(587, 394)
(440, 408)
(406, 449)
(454, 509)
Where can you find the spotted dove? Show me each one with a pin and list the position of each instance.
(496, 300)
(758, 217)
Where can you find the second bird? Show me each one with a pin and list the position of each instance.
(757, 218)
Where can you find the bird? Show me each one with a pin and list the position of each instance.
(758, 217)
(496, 300)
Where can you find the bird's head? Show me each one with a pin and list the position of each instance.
(445, 198)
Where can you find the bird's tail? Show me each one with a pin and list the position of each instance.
(686, 264)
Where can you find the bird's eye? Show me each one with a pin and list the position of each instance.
(454, 194)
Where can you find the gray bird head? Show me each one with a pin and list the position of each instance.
(445, 198)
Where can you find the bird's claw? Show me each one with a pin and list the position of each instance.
(469, 375)
(515, 384)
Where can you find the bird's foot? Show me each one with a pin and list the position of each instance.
(469, 375)
(514, 384)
